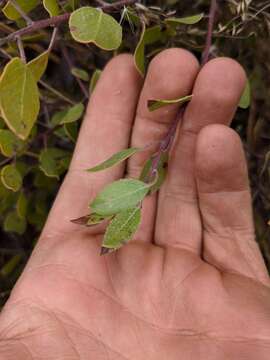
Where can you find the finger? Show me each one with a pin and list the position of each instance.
(216, 94)
(171, 74)
(225, 204)
(105, 130)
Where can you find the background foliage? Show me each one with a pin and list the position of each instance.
(36, 147)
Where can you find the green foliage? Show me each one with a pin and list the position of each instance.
(11, 178)
(155, 104)
(246, 97)
(38, 65)
(51, 6)
(89, 24)
(26, 5)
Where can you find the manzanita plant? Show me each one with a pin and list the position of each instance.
(39, 122)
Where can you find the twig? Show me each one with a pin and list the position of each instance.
(21, 49)
(56, 92)
(57, 20)
(211, 21)
(168, 139)
(21, 12)
(70, 65)
(53, 39)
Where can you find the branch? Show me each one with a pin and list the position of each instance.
(57, 20)
(212, 15)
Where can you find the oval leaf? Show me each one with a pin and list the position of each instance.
(246, 97)
(11, 178)
(38, 65)
(50, 162)
(14, 223)
(89, 24)
(122, 228)
(155, 104)
(80, 74)
(119, 196)
(19, 98)
(9, 143)
(51, 6)
(26, 5)
(21, 205)
(115, 159)
(94, 80)
(73, 114)
(188, 20)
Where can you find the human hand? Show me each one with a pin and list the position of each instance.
(192, 283)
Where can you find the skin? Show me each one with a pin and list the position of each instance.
(192, 284)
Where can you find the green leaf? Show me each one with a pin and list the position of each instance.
(19, 98)
(94, 79)
(51, 6)
(115, 159)
(119, 196)
(11, 178)
(246, 97)
(21, 205)
(155, 104)
(71, 131)
(26, 5)
(139, 53)
(188, 20)
(9, 143)
(13, 223)
(91, 25)
(90, 220)
(38, 65)
(122, 228)
(73, 114)
(50, 162)
(80, 74)
(162, 172)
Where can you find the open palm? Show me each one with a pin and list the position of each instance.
(192, 283)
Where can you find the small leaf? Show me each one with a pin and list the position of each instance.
(21, 205)
(90, 220)
(50, 162)
(91, 25)
(52, 7)
(26, 5)
(9, 143)
(13, 223)
(11, 178)
(246, 97)
(139, 53)
(94, 79)
(155, 104)
(122, 228)
(115, 159)
(188, 20)
(73, 114)
(71, 130)
(38, 65)
(162, 172)
(80, 74)
(19, 98)
(119, 196)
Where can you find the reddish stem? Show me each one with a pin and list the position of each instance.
(211, 21)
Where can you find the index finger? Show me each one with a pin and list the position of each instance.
(105, 130)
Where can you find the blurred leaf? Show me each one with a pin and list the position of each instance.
(26, 5)
(119, 196)
(88, 24)
(71, 130)
(11, 265)
(94, 80)
(51, 6)
(153, 34)
(14, 223)
(9, 143)
(19, 98)
(115, 159)
(11, 178)
(50, 161)
(246, 97)
(74, 4)
(139, 53)
(155, 104)
(188, 20)
(90, 220)
(80, 74)
(162, 172)
(38, 65)
(21, 205)
(122, 228)
(73, 114)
